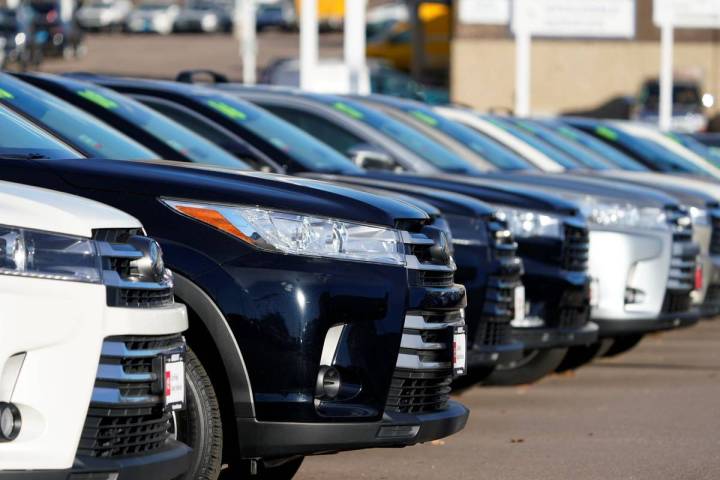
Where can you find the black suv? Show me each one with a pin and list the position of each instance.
(327, 318)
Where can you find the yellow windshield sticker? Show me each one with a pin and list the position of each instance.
(98, 99)
(4, 94)
(227, 110)
(606, 133)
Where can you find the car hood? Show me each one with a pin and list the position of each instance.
(486, 190)
(51, 211)
(689, 190)
(211, 184)
(447, 202)
(576, 184)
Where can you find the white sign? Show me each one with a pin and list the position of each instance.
(687, 13)
(484, 12)
(580, 18)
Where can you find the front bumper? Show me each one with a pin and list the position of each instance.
(59, 327)
(492, 355)
(665, 321)
(169, 462)
(274, 440)
(543, 338)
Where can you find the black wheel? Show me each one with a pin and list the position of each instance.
(266, 470)
(199, 425)
(534, 365)
(622, 344)
(584, 354)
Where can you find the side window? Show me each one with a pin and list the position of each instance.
(324, 130)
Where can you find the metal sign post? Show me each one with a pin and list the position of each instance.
(248, 41)
(354, 46)
(523, 47)
(666, 73)
(308, 42)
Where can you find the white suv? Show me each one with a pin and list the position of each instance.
(91, 349)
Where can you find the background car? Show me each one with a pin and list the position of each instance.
(104, 14)
(153, 17)
(202, 17)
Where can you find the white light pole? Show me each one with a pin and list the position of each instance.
(523, 37)
(308, 42)
(248, 40)
(354, 46)
(666, 69)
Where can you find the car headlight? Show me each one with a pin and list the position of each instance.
(625, 215)
(298, 234)
(52, 256)
(528, 223)
(699, 216)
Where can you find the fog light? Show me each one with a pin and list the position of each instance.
(633, 295)
(328, 383)
(10, 422)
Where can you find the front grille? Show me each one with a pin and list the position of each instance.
(572, 311)
(137, 298)
(676, 302)
(412, 391)
(494, 334)
(715, 239)
(421, 381)
(422, 278)
(576, 249)
(128, 286)
(127, 415)
(712, 299)
(499, 303)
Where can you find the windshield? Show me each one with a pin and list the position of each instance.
(712, 155)
(583, 156)
(608, 153)
(647, 152)
(682, 95)
(300, 146)
(176, 136)
(406, 136)
(77, 127)
(528, 137)
(490, 150)
(21, 139)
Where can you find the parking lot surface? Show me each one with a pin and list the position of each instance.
(163, 56)
(653, 413)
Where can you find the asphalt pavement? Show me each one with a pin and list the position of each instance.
(653, 413)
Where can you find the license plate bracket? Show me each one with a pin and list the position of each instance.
(459, 350)
(174, 381)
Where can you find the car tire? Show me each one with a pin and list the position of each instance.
(623, 344)
(534, 365)
(584, 354)
(275, 471)
(199, 425)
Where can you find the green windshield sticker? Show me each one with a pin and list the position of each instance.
(348, 110)
(425, 118)
(4, 94)
(526, 126)
(606, 133)
(568, 133)
(674, 137)
(98, 98)
(227, 110)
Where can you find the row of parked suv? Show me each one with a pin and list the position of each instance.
(305, 274)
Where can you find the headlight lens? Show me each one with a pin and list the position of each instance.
(527, 223)
(699, 216)
(619, 215)
(299, 234)
(52, 256)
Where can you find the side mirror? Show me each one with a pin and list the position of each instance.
(371, 158)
